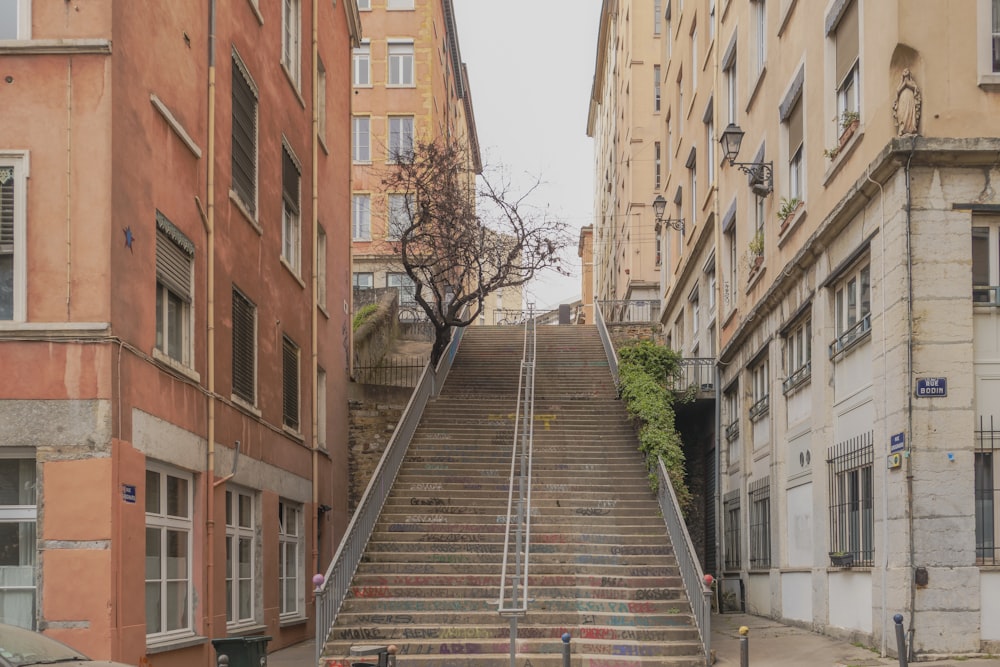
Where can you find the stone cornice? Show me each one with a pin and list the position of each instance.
(55, 47)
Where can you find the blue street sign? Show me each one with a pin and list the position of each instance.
(128, 493)
(897, 443)
(932, 387)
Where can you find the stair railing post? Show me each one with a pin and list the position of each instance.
(565, 649)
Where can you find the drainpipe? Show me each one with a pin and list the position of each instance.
(315, 284)
(909, 389)
(210, 257)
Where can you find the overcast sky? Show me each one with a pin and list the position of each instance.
(531, 64)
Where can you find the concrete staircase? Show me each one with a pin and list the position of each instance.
(601, 567)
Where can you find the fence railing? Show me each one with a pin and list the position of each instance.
(395, 372)
(512, 317)
(696, 373)
(332, 590)
(609, 347)
(637, 310)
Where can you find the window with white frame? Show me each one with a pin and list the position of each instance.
(987, 491)
(657, 17)
(759, 10)
(847, 66)
(711, 20)
(760, 388)
(363, 280)
(400, 64)
(321, 414)
(169, 504)
(798, 350)
(680, 90)
(291, 225)
(694, 298)
(404, 285)
(400, 216)
(244, 348)
(669, 28)
(732, 543)
(290, 383)
(244, 136)
(852, 308)
(400, 138)
(793, 125)
(712, 285)
(656, 88)
(291, 39)
(852, 516)
(695, 65)
(365, 5)
(321, 98)
(759, 493)
(710, 144)
(241, 557)
(989, 41)
(291, 549)
(15, 19)
(18, 535)
(731, 399)
(731, 103)
(363, 65)
(361, 139)
(398, 4)
(13, 233)
(733, 254)
(174, 291)
(659, 245)
(656, 164)
(692, 167)
(670, 143)
(361, 218)
(321, 266)
(986, 261)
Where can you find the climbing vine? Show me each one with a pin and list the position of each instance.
(644, 370)
(364, 314)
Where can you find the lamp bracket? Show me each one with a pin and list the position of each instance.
(761, 176)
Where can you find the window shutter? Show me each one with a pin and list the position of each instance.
(244, 150)
(7, 209)
(290, 180)
(174, 258)
(795, 128)
(244, 331)
(847, 41)
(290, 382)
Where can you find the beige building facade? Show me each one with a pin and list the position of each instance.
(842, 269)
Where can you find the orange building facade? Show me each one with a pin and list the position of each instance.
(174, 294)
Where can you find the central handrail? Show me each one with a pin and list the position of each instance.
(520, 473)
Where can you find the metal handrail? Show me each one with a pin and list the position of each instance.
(521, 453)
(699, 594)
(609, 347)
(332, 590)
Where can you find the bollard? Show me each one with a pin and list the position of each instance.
(900, 640)
(565, 649)
(744, 646)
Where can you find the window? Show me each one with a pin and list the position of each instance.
(986, 492)
(321, 267)
(321, 99)
(168, 552)
(321, 407)
(244, 158)
(363, 280)
(851, 499)
(174, 266)
(289, 383)
(670, 32)
(853, 301)
(695, 65)
(711, 20)
(365, 5)
(656, 164)
(733, 251)
(401, 212)
(710, 144)
(361, 218)
(759, 36)
(695, 300)
(659, 245)
(363, 65)
(400, 138)
(13, 249)
(399, 4)
(989, 41)
(361, 139)
(732, 543)
(692, 164)
(847, 64)
(290, 564)
(732, 423)
(291, 39)
(730, 72)
(798, 347)
(760, 387)
(656, 88)
(657, 17)
(670, 142)
(712, 286)
(404, 285)
(15, 19)
(795, 138)
(986, 263)
(760, 524)
(400, 63)
(241, 557)
(244, 348)
(680, 90)
(291, 225)
(18, 517)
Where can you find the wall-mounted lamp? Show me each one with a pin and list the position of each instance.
(761, 173)
(659, 205)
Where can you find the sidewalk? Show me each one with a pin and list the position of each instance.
(773, 644)
(299, 655)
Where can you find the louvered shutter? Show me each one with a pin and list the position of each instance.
(290, 383)
(290, 181)
(244, 162)
(174, 258)
(7, 209)
(244, 347)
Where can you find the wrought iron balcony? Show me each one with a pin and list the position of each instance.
(851, 337)
(696, 373)
(639, 311)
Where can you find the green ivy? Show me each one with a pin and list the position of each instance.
(644, 370)
(364, 314)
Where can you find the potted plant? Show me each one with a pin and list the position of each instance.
(841, 559)
(831, 153)
(756, 245)
(849, 121)
(788, 207)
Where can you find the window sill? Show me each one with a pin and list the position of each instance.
(785, 16)
(292, 621)
(400, 85)
(322, 309)
(755, 273)
(38, 47)
(256, 11)
(51, 330)
(246, 407)
(729, 317)
(293, 433)
(291, 270)
(756, 88)
(154, 646)
(175, 365)
(791, 222)
(838, 162)
(242, 208)
(244, 629)
(322, 144)
(294, 84)
(850, 346)
(989, 81)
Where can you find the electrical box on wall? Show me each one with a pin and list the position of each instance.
(894, 461)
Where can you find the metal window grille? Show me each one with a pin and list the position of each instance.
(244, 347)
(290, 382)
(7, 209)
(760, 523)
(244, 152)
(851, 498)
(731, 507)
(987, 445)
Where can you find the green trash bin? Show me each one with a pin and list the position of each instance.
(241, 651)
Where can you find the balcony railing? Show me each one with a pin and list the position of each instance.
(617, 312)
(760, 408)
(851, 337)
(733, 430)
(697, 373)
(800, 376)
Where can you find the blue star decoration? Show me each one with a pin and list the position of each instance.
(129, 238)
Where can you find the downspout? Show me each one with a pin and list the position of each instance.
(717, 232)
(909, 392)
(210, 484)
(69, 188)
(315, 283)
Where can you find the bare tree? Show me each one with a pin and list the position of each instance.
(457, 243)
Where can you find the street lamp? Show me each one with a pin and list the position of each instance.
(659, 205)
(761, 173)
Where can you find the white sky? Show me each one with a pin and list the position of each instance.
(531, 64)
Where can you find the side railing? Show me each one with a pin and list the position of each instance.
(331, 588)
(698, 592)
(513, 598)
